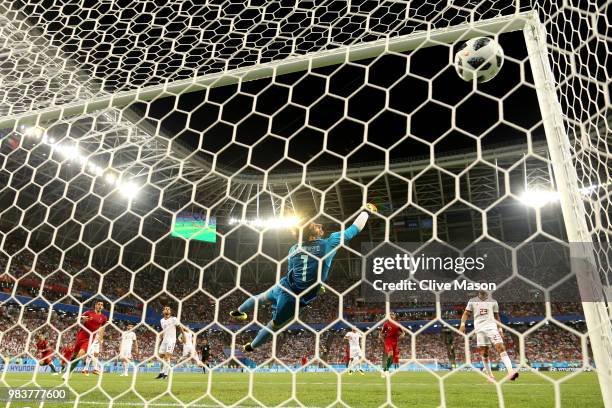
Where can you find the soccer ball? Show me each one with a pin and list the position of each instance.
(479, 58)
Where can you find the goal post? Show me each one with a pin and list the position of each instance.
(574, 214)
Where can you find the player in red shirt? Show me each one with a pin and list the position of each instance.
(46, 353)
(91, 335)
(66, 356)
(391, 333)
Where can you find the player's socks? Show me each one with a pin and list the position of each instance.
(389, 363)
(487, 366)
(73, 365)
(247, 305)
(166, 370)
(263, 336)
(508, 363)
(52, 367)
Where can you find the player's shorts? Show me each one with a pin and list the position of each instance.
(167, 346)
(355, 352)
(66, 358)
(82, 342)
(46, 359)
(391, 346)
(125, 354)
(189, 351)
(283, 304)
(486, 336)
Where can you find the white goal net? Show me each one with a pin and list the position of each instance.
(162, 154)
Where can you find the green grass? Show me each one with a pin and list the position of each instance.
(406, 389)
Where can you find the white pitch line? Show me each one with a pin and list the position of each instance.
(165, 404)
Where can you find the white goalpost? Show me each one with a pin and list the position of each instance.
(98, 146)
(595, 309)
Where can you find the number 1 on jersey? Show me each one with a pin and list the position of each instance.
(304, 266)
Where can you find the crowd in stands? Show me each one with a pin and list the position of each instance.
(136, 294)
(548, 343)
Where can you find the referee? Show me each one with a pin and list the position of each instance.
(205, 348)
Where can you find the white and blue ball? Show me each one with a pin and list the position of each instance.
(479, 58)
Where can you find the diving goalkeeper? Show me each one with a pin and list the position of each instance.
(303, 268)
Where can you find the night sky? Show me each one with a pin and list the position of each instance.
(410, 112)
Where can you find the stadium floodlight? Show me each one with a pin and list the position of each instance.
(34, 131)
(588, 190)
(68, 151)
(539, 198)
(110, 178)
(128, 189)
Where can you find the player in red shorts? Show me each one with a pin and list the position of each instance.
(390, 333)
(46, 353)
(90, 336)
(66, 356)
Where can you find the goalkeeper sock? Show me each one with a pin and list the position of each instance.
(506, 360)
(263, 336)
(249, 304)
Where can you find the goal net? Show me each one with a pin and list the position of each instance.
(171, 153)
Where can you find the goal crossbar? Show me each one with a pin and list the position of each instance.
(318, 59)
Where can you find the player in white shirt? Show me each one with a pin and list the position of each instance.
(486, 325)
(188, 338)
(128, 341)
(354, 340)
(168, 324)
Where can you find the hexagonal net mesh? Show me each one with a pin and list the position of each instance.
(171, 154)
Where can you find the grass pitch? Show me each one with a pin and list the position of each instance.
(405, 389)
